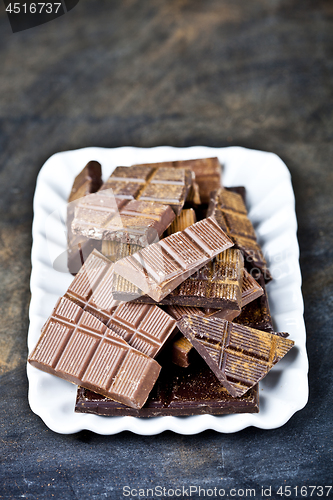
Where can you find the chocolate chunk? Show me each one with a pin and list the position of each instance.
(161, 267)
(177, 392)
(238, 355)
(76, 346)
(87, 182)
(207, 173)
(144, 326)
(229, 210)
(135, 222)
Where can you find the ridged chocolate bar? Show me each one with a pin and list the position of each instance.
(148, 183)
(207, 173)
(87, 182)
(177, 392)
(229, 210)
(135, 222)
(76, 346)
(161, 267)
(238, 355)
(145, 327)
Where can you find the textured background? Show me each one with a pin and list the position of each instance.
(177, 72)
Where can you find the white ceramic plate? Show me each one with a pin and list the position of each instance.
(271, 206)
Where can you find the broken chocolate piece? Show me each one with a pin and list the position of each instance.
(229, 210)
(161, 267)
(238, 355)
(76, 346)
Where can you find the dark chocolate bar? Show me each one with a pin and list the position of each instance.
(136, 222)
(148, 183)
(177, 392)
(76, 346)
(238, 355)
(229, 210)
(207, 173)
(161, 267)
(87, 182)
(144, 326)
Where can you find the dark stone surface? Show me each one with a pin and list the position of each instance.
(178, 72)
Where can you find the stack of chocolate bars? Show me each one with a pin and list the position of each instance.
(167, 313)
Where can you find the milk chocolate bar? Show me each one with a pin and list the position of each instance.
(107, 218)
(238, 355)
(145, 327)
(148, 183)
(76, 346)
(161, 267)
(87, 182)
(229, 210)
(207, 173)
(177, 392)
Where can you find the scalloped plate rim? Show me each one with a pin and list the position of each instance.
(74, 161)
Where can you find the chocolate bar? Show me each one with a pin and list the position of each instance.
(88, 181)
(207, 173)
(229, 210)
(148, 183)
(161, 267)
(145, 327)
(107, 218)
(238, 355)
(76, 346)
(177, 392)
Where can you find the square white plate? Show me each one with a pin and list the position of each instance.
(271, 204)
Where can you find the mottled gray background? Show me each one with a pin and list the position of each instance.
(177, 72)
